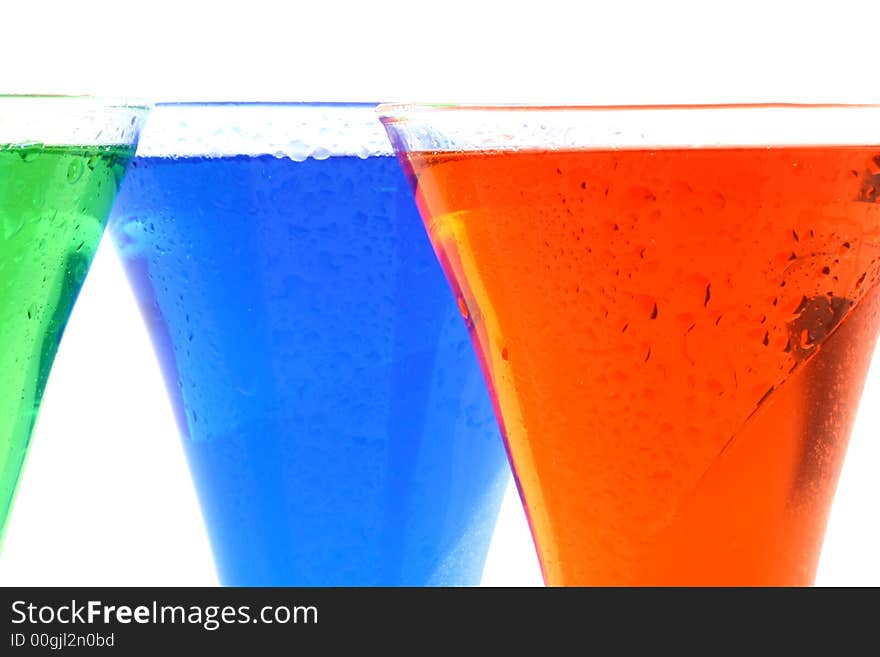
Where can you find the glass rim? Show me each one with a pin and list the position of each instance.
(97, 101)
(402, 111)
(512, 127)
(47, 120)
(210, 104)
(295, 130)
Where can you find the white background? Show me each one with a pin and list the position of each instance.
(106, 498)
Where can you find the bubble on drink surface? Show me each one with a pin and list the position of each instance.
(31, 152)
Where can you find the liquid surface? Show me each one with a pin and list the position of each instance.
(333, 413)
(54, 202)
(676, 341)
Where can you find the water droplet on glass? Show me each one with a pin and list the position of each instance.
(12, 223)
(74, 171)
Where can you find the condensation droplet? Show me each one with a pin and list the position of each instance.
(74, 171)
(12, 223)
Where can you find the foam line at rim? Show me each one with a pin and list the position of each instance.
(285, 130)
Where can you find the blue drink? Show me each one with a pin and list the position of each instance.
(333, 413)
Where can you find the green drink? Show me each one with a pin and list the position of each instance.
(54, 203)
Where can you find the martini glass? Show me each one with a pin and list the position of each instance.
(675, 309)
(332, 410)
(61, 161)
